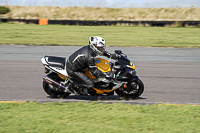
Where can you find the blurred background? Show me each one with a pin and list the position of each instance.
(117, 10)
(104, 3)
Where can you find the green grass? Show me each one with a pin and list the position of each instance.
(99, 118)
(114, 35)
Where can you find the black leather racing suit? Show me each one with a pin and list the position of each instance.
(78, 62)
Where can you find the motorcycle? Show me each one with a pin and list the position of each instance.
(125, 82)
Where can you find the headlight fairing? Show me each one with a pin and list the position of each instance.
(132, 72)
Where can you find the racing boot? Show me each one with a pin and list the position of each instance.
(71, 87)
(85, 91)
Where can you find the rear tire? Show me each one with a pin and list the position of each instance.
(133, 90)
(53, 93)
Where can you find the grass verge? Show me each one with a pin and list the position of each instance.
(114, 35)
(96, 117)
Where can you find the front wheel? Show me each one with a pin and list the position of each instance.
(132, 91)
(49, 89)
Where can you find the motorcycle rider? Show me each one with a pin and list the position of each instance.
(84, 58)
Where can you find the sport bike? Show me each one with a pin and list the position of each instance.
(124, 81)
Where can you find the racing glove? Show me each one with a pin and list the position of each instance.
(115, 56)
(112, 56)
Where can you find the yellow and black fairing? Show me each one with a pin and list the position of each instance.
(104, 66)
(126, 69)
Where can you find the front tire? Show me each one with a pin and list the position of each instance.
(53, 93)
(133, 90)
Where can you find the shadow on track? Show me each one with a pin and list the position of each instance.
(97, 98)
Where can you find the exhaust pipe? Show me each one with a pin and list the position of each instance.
(56, 84)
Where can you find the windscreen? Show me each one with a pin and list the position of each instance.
(123, 60)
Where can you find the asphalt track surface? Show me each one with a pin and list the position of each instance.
(170, 75)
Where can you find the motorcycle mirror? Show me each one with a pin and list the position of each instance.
(118, 51)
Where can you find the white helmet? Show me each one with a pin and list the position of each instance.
(97, 44)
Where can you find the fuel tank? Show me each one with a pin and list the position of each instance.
(102, 64)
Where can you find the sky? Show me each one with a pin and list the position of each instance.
(104, 3)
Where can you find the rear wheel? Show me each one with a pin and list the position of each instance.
(53, 92)
(132, 91)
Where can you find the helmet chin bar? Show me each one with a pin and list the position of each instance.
(97, 51)
(100, 48)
